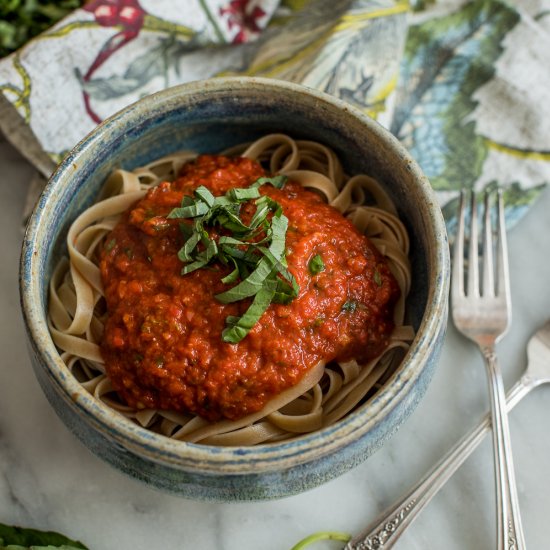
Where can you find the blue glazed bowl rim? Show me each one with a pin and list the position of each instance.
(230, 460)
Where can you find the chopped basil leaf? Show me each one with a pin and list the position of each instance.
(285, 292)
(110, 245)
(276, 181)
(260, 216)
(186, 230)
(240, 194)
(185, 252)
(203, 258)
(255, 251)
(250, 286)
(233, 276)
(193, 266)
(377, 277)
(204, 194)
(350, 305)
(191, 211)
(316, 264)
(279, 225)
(240, 327)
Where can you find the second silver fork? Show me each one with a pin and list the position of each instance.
(483, 315)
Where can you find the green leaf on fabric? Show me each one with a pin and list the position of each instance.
(154, 63)
(447, 60)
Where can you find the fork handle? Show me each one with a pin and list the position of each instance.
(387, 529)
(509, 529)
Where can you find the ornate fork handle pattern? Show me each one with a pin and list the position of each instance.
(407, 509)
(410, 505)
(382, 535)
(509, 518)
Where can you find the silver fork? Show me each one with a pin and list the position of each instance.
(386, 530)
(483, 315)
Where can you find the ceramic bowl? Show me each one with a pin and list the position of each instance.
(209, 116)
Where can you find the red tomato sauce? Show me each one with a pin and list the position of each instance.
(162, 342)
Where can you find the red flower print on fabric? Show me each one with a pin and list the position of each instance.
(112, 13)
(243, 15)
(128, 15)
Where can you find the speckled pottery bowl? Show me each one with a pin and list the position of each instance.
(209, 116)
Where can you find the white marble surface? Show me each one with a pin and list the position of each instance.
(49, 480)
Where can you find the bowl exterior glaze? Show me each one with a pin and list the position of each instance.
(209, 116)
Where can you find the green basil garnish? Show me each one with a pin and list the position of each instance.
(316, 264)
(255, 252)
(350, 306)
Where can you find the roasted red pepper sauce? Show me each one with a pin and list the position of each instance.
(162, 342)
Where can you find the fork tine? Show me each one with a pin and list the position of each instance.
(488, 288)
(503, 279)
(473, 269)
(457, 285)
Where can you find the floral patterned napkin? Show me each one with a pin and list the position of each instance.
(464, 85)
